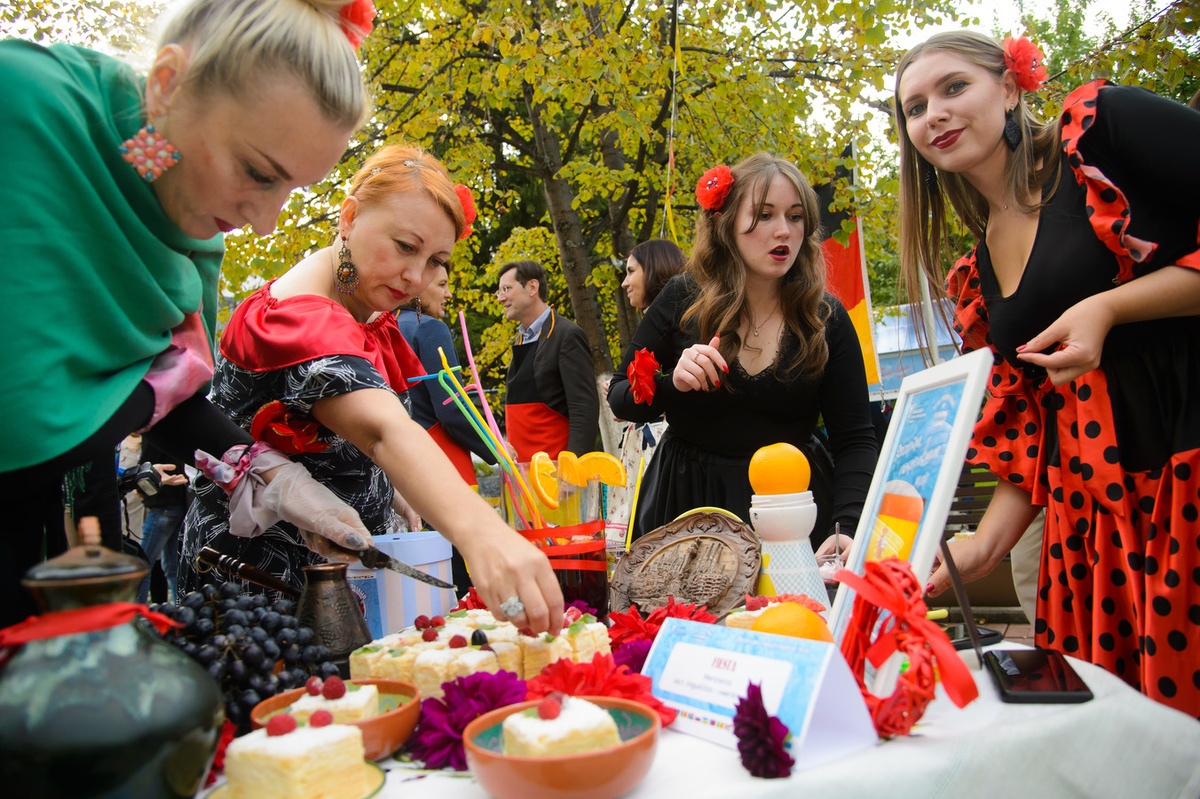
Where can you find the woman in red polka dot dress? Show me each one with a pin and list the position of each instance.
(1085, 284)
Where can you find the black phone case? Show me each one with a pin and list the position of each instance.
(1055, 662)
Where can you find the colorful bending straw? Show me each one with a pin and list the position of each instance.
(637, 489)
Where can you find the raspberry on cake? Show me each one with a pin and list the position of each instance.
(579, 726)
(309, 761)
(359, 702)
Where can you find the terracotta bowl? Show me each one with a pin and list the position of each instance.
(382, 734)
(602, 774)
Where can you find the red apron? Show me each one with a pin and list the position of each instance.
(459, 456)
(531, 425)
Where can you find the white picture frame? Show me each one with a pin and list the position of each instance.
(917, 474)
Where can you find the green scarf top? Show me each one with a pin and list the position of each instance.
(95, 274)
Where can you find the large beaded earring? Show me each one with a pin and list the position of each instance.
(149, 152)
(1012, 129)
(418, 310)
(345, 274)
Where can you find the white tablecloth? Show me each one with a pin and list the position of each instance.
(1120, 744)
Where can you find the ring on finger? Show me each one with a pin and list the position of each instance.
(512, 607)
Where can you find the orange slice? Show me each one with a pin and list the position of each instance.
(788, 618)
(779, 469)
(545, 483)
(568, 469)
(603, 467)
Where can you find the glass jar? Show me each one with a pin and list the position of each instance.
(113, 712)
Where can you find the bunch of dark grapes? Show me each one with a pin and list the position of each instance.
(253, 647)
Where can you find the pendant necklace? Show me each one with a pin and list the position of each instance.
(768, 319)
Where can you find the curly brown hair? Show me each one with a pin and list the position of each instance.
(720, 272)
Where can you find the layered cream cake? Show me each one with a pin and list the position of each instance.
(360, 702)
(471, 641)
(579, 726)
(310, 762)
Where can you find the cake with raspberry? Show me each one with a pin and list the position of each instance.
(325, 761)
(559, 725)
(345, 702)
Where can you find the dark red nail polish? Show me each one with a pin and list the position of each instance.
(928, 587)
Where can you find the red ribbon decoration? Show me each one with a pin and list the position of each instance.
(81, 620)
(890, 585)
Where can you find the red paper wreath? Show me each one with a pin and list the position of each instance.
(890, 585)
(1026, 62)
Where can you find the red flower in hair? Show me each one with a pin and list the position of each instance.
(468, 204)
(273, 424)
(714, 187)
(357, 21)
(1026, 62)
(643, 370)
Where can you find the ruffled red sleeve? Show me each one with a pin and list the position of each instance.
(1007, 436)
(265, 334)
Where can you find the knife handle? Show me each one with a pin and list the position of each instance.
(245, 571)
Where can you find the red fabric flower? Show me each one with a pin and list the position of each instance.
(468, 204)
(601, 677)
(631, 626)
(470, 602)
(761, 737)
(357, 21)
(643, 373)
(1026, 62)
(274, 425)
(714, 187)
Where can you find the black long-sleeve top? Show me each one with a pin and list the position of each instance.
(760, 410)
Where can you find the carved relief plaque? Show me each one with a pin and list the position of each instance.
(706, 558)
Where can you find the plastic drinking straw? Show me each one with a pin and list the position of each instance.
(419, 378)
(487, 410)
(637, 489)
(503, 451)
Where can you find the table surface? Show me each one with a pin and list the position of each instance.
(1119, 744)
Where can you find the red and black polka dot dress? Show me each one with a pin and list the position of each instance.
(1114, 456)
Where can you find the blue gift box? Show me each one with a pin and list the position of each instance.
(390, 601)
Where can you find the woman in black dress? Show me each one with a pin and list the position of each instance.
(753, 352)
(1084, 284)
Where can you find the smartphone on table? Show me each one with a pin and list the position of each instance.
(1041, 676)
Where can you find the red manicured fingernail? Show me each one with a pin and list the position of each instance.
(1020, 348)
(718, 384)
(726, 368)
(928, 587)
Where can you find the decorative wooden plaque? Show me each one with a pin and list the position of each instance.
(706, 558)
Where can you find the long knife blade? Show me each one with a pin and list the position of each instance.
(373, 558)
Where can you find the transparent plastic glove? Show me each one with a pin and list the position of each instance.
(408, 518)
(325, 522)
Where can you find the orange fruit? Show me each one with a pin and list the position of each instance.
(603, 467)
(544, 479)
(779, 469)
(788, 618)
(568, 469)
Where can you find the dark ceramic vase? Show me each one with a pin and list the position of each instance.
(112, 713)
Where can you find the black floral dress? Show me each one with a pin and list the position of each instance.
(277, 358)
(1114, 456)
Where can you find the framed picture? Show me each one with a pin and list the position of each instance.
(917, 473)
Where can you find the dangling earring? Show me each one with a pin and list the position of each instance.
(1012, 130)
(931, 179)
(345, 274)
(149, 152)
(418, 310)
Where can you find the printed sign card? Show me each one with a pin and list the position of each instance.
(702, 670)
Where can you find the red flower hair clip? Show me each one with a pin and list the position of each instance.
(714, 187)
(356, 19)
(1026, 62)
(468, 204)
(274, 424)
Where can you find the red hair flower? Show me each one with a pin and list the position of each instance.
(631, 626)
(601, 677)
(1026, 62)
(357, 21)
(273, 424)
(642, 372)
(714, 187)
(468, 204)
